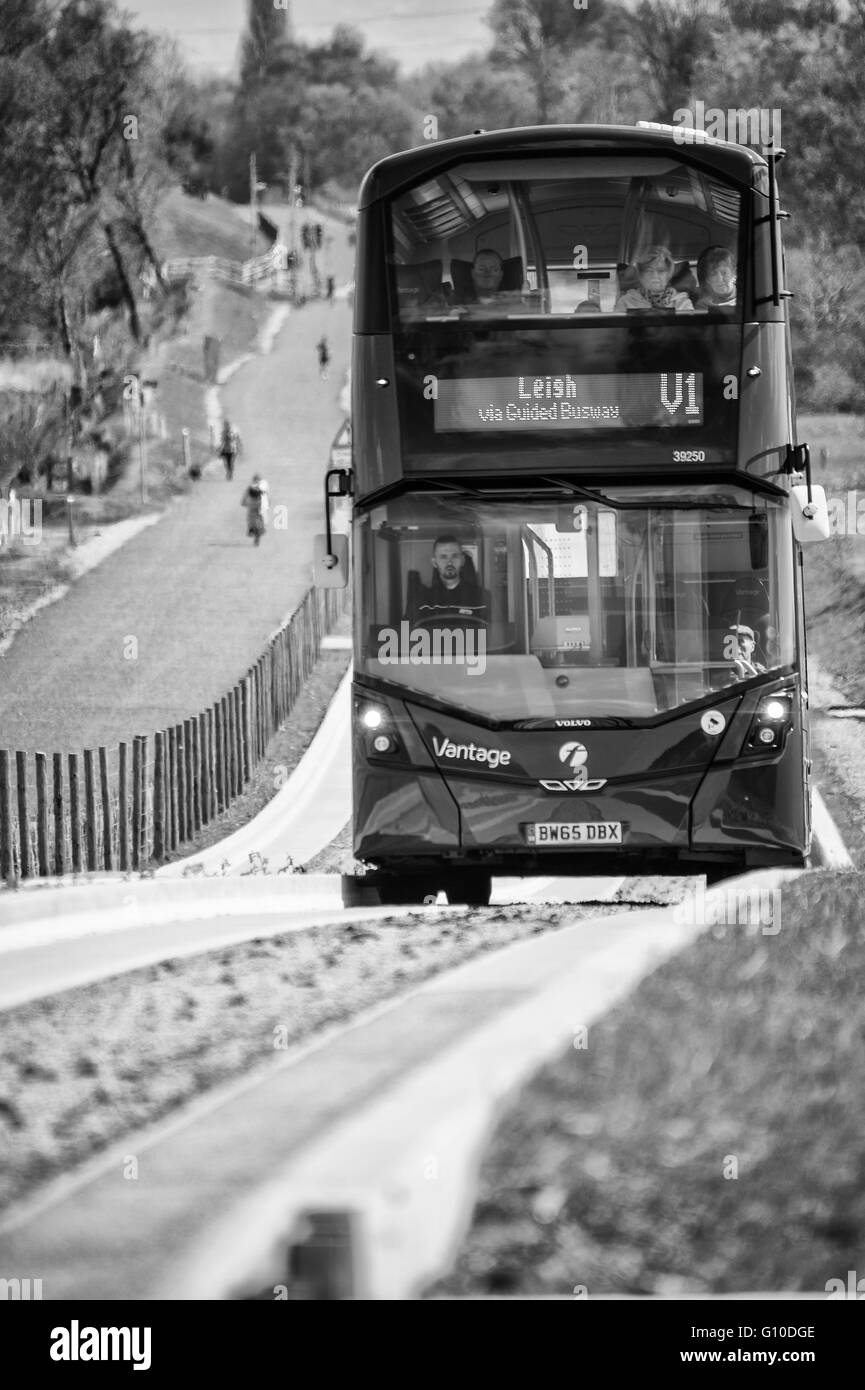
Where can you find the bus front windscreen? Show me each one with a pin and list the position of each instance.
(625, 604)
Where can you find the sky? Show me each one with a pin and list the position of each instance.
(414, 32)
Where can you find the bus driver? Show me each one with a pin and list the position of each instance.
(455, 592)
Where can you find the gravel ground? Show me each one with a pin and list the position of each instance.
(84, 1068)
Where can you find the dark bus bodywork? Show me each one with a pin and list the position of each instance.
(618, 481)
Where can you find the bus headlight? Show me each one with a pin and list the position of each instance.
(774, 709)
(772, 722)
(380, 737)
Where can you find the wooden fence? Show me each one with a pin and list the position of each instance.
(262, 271)
(129, 807)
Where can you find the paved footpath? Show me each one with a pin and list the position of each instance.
(194, 592)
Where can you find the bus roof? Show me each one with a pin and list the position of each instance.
(397, 171)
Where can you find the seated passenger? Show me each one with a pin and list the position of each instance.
(487, 271)
(655, 268)
(588, 306)
(454, 593)
(716, 272)
(483, 292)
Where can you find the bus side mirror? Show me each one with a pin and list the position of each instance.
(810, 519)
(330, 567)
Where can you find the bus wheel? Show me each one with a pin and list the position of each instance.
(471, 886)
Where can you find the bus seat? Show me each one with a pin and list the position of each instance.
(414, 588)
(469, 573)
(417, 283)
(461, 275)
(683, 279)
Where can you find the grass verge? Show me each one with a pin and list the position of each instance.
(709, 1138)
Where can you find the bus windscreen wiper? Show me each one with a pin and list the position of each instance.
(592, 496)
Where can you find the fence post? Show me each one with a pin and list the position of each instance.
(280, 678)
(204, 789)
(136, 800)
(272, 685)
(188, 776)
(89, 811)
(196, 771)
(181, 783)
(59, 836)
(219, 732)
(292, 646)
(74, 814)
(122, 807)
(262, 737)
(107, 844)
(42, 813)
(253, 717)
(188, 762)
(237, 699)
(23, 821)
(5, 817)
(232, 747)
(143, 850)
(211, 764)
(171, 790)
(159, 796)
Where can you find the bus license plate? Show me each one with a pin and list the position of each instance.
(589, 832)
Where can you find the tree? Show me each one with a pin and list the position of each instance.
(544, 39)
(673, 38)
(99, 68)
(472, 94)
(535, 35)
(267, 28)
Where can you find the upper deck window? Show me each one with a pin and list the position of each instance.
(564, 236)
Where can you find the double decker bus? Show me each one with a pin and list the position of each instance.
(576, 513)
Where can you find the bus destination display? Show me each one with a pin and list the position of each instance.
(638, 401)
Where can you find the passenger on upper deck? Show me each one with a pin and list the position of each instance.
(655, 266)
(716, 272)
(484, 291)
(455, 592)
(487, 272)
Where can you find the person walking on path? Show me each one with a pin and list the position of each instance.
(323, 357)
(229, 447)
(256, 502)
